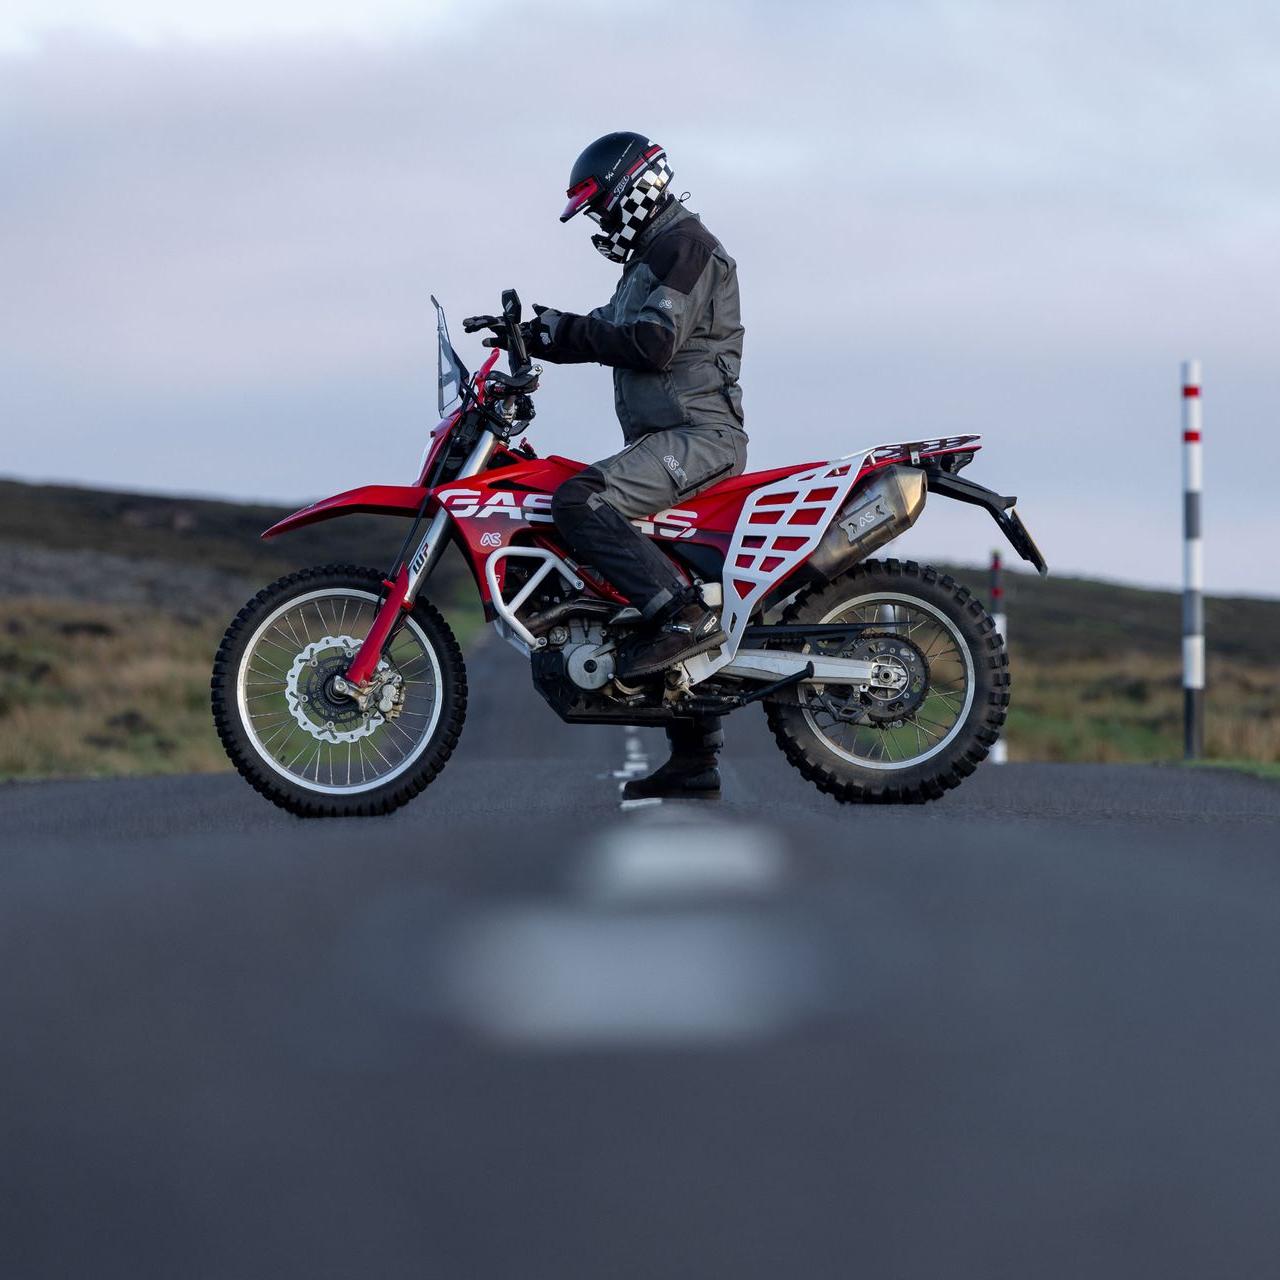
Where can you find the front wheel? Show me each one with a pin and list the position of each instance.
(294, 737)
(928, 729)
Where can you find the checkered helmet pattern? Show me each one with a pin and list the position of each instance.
(642, 199)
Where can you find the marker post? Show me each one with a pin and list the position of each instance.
(1192, 567)
(1000, 752)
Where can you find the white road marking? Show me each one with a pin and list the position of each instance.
(671, 858)
(635, 764)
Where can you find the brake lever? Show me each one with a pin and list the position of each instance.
(473, 324)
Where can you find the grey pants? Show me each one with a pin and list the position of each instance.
(593, 511)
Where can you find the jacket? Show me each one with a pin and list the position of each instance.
(671, 332)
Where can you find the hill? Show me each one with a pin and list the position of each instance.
(1096, 664)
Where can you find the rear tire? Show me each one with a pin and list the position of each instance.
(978, 720)
(429, 746)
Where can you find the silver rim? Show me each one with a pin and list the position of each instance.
(940, 716)
(333, 749)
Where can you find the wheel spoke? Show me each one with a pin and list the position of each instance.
(938, 684)
(300, 727)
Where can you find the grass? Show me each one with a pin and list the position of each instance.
(1258, 768)
(108, 690)
(1129, 707)
(104, 689)
(112, 689)
(93, 687)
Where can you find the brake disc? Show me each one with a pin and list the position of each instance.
(309, 692)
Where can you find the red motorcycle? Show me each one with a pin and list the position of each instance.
(342, 691)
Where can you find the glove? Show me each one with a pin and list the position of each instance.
(538, 333)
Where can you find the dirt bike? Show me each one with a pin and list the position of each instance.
(342, 690)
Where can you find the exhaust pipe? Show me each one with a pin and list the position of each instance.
(870, 517)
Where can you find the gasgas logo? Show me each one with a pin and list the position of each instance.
(470, 504)
(535, 508)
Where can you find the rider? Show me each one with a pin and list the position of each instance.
(672, 335)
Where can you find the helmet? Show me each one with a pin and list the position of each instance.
(621, 181)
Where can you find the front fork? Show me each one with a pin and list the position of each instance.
(402, 590)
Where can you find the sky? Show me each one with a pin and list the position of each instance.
(220, 226)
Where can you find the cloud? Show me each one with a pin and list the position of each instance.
(1016, 219)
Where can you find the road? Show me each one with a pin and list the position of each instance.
(511, 1031)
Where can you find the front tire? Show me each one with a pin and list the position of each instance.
(301, 745)
(947, 716)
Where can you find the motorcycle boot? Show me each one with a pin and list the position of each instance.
(682, 631)
(691, 772)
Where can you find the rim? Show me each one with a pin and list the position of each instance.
(944, 705)
(333, 750)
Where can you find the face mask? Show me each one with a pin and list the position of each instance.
(635, 210)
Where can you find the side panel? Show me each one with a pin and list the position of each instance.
(501, 507)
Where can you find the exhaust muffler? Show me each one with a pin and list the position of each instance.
(871, 516)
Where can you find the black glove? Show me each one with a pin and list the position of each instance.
(538, 333)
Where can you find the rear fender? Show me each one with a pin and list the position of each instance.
(1000, 507)
(406, 500)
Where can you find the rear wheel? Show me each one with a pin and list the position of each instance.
(288, 729)
(924, 735)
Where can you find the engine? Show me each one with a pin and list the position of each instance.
(587, 656)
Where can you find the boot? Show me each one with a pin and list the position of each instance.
(681, 778)
(691, 628)
(691, 773)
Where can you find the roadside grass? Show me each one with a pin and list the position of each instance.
(99, 688)
(108, 690)
(1258, 768)
(1129, 707)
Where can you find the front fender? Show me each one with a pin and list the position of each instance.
(370, 499)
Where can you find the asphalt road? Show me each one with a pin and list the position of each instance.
(1029, 1030)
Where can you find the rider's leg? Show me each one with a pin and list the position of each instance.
(691, 772)
(593, 512)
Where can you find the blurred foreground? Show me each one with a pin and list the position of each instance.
(1027, 1030)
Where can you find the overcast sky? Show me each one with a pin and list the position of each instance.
(219, 226)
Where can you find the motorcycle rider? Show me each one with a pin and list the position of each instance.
(672, 335)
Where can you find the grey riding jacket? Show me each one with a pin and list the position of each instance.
(671, 332)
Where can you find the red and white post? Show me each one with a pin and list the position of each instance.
(1192, 566)
(1000, 752)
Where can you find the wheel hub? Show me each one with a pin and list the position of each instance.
(323, 713)
(899, 685)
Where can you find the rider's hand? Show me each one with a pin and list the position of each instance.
(538, 333)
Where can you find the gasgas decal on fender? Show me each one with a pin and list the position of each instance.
(466, 504)
(535, 508)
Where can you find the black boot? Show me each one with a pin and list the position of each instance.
(681, 778)
(689, 630)
(691, 773)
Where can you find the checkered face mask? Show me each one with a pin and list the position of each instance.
(642, 200)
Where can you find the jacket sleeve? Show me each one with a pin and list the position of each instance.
(674, 282)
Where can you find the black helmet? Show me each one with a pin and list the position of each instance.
(621, 181)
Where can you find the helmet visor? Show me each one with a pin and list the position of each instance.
(579, 196)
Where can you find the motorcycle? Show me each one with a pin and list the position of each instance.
(341, 691)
